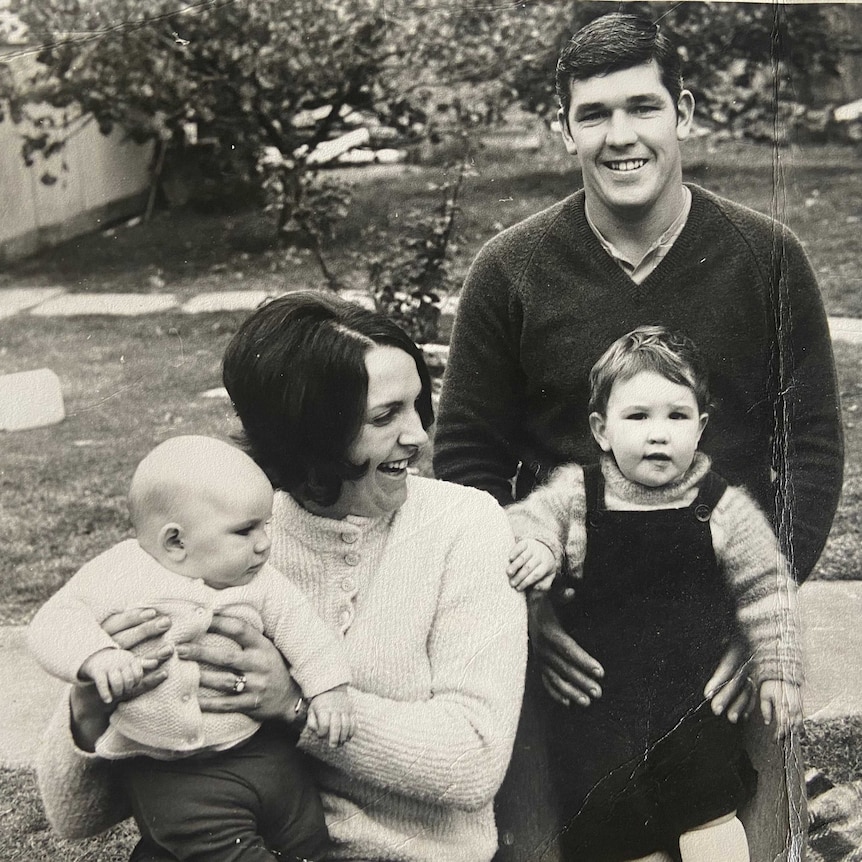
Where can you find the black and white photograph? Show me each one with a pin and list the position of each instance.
(429, 431)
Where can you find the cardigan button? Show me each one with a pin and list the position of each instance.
(567, 594)
(350, 538)
(348, 584)
(702, 512)
(351, 558)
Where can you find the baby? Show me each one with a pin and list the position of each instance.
(200, 509)
(664, 564)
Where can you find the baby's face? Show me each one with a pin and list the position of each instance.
(226, 537)
(652, 426)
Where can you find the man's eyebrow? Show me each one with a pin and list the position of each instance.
(644, 97)
(588, 107)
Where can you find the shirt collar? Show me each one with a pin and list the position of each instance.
(639, 270)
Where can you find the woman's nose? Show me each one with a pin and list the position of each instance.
(413, 434)
(620, 132)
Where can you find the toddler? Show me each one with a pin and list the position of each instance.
(208, 783)
(654, 564)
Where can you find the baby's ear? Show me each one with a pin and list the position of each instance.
(704, 418)
(171, 541)
(597, 426)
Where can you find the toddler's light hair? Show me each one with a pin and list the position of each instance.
(649, 348)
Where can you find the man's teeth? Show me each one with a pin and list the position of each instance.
(395, 466)
(627, 165)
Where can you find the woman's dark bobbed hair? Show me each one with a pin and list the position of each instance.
(295, 372)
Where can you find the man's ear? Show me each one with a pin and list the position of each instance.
(684, 115)
(597, 426)
(566, 132)
(171, 541)
(704, 418)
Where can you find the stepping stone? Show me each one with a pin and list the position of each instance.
(27, 700)
(21, 298)
(832, 648)
(846, 329)
(119, 304)
(30, 399)
(226, 300)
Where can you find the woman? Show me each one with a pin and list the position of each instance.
(334, 403)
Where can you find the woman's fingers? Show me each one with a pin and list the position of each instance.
(239, 631)
(134, 627)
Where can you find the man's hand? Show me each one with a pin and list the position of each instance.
(781, 702)
(531, 564)
(730, 689)
(330, 714)
(570, 674)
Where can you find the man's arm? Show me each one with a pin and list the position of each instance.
(809, 450)
(478, 428)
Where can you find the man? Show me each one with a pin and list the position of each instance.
(544, 299)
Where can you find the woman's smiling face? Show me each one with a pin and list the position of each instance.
(390, 437)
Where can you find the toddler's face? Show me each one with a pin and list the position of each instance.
(226, 538)
(652, 427)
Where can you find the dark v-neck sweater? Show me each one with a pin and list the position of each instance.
(542, 302)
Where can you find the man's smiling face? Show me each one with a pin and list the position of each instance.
(625, 129)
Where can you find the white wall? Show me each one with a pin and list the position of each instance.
(106, 178)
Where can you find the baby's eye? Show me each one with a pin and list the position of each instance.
(677, 415)
(636, 416)
(245, 531)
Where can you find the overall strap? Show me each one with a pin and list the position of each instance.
(711, 491)
(594, 487)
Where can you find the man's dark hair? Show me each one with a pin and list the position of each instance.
(612, 43)
(295, 372)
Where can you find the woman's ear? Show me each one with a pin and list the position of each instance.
(171, 542)
(597, 426)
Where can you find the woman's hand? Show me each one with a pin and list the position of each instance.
(568, 672)
(730, 688)
(128, 629)
(251, 672)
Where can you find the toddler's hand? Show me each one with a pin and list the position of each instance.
(781, 702)
(531, 564)
(114, 671)
(330, 713)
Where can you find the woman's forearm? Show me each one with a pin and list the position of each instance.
(80, 791)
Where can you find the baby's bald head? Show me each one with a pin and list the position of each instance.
(184, 472)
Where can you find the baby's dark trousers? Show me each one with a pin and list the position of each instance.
(250, 803)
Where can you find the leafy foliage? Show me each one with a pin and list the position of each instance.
(409, 278)
(258, 87)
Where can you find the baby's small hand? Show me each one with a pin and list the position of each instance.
(114, 671)
(330, 713)
(531, 564)
(781, 702)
